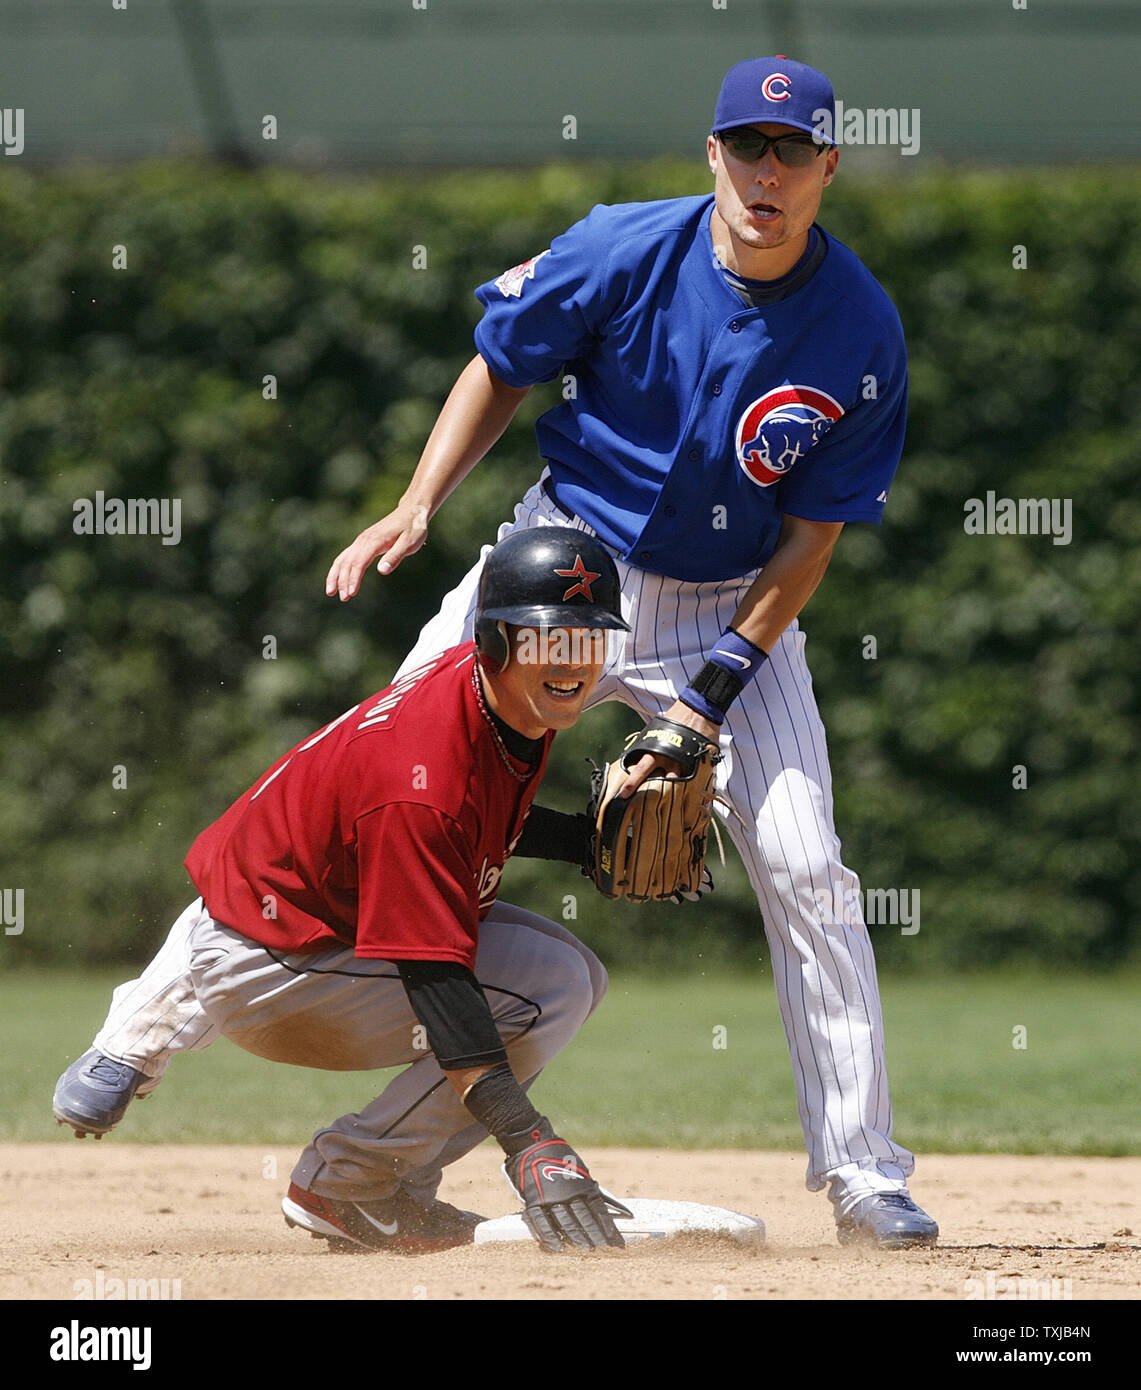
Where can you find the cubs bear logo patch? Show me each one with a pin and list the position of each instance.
(779, 428)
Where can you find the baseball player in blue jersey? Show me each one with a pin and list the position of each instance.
(738, 393)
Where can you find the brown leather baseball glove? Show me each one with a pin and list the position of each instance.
(652, 845)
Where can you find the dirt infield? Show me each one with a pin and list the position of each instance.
(76, 1217)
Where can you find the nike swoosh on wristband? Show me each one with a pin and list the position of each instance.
(745, 664)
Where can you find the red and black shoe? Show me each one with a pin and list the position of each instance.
(399, 1223)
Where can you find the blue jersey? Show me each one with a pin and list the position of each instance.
(692, 422)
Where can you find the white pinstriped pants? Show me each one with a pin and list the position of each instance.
(776, 776)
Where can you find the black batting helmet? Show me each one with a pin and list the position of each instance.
(548, 576)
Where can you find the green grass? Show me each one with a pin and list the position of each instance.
(646, 1072)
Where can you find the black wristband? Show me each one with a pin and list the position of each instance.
(733, 661)
(719, 686)
(501, 1106)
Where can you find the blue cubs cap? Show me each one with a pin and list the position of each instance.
(777, 90)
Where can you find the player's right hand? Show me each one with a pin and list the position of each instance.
(402, 532)
(562, 1204)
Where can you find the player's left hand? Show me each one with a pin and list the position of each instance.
(654, 762)
(562, 1204)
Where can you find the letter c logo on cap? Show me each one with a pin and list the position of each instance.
(769, 90)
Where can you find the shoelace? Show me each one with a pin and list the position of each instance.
(105, 1069)
(897, 1199)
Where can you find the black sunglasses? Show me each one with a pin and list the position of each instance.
(750, 145)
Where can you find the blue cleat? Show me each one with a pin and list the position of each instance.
(890, 1220)
(93, 1094)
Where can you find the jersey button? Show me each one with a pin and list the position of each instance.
(734, 327)
(671, 511)
(644, 554)
(717, 388)
(694, 455)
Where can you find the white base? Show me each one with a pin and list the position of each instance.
(652, 1220)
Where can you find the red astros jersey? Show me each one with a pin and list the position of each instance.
(388, 829)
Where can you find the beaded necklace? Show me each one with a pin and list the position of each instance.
(477, 686)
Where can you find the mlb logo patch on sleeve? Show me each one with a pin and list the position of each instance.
(510, 283)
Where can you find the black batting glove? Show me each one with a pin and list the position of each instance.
(562, 1204)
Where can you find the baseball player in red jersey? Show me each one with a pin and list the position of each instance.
(348, 919)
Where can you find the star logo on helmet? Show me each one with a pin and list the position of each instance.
(584, 577)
